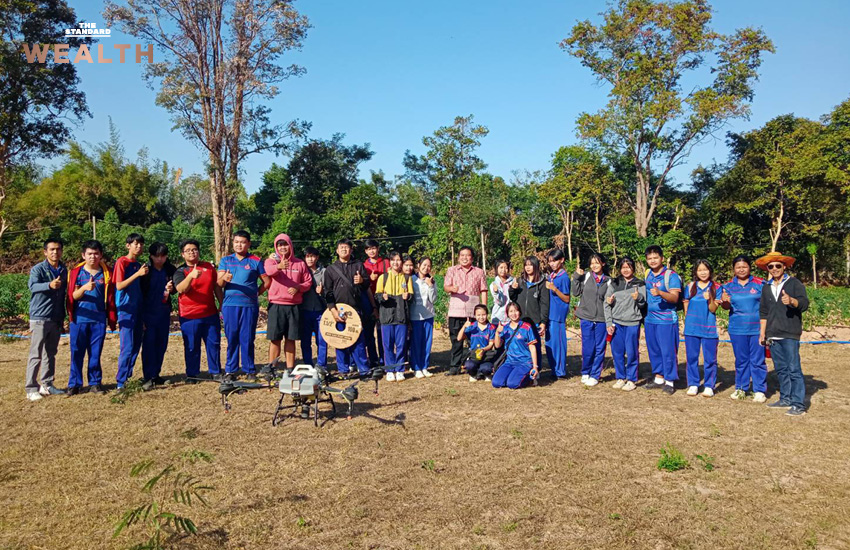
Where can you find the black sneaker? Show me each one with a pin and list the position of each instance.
(651, 384)
(251, 377)
(453, 371)
(97, 388)
(218, 377)
(229, 377)
(668, 389)
(192, 381)
(796, 411)
(160, 381)
(148, 385)
(780, 404)
(72, 391)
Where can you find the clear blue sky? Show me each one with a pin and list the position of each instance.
(389, 73)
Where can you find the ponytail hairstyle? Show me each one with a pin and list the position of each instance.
(694, 277)
(601, 259)
(499, 263)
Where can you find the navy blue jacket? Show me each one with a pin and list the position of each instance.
(47, 304)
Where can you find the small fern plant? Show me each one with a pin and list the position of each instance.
(168, 493)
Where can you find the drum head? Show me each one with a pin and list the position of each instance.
(342, 336)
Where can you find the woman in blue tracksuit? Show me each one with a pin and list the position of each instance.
(701, 300)
(741, 297)
(558, 283)
(591, 287)
(520, 341)
(422, 318)
(625, 307)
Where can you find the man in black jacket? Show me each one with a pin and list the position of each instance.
(783, 301)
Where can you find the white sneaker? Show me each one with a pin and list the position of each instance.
(472, 379)
(488, 379)
(419, 374)
(708, 392)
(34, 396)
(619, 384)
(629, 386)
(427, 373)
(591, 382)
(738, 394)
(390, 377)
(584, 378)
(399, 377)
(759, 397)
(692, 390)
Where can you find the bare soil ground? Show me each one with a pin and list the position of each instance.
(437, 463)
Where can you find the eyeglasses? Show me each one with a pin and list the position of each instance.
(190, 250)
(775, 266)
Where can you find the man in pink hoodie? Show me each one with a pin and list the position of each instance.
(290, 279)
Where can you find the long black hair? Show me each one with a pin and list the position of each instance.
(601, 259)
(623, 261)
(535, 264)
(695, 279)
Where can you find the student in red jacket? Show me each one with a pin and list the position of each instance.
(197, 289)
(290, 279)
(91, 306)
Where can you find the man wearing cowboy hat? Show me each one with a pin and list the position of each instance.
(783, 301)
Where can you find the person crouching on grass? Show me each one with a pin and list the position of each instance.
(519, 340)
(783, 301)
(482, 341)
(702, 298)
(393, 295)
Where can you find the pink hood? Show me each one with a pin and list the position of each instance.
(296, 276)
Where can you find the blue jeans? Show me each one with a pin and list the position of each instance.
(786, 361)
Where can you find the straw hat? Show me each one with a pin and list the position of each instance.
(771, 257)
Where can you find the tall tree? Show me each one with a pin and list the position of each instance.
(447, 168)
(221, 63)
(644, 50)
(37, 100)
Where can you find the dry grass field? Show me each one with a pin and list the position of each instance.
(436, 463)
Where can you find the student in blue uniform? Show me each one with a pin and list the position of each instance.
(422, 319)
(625, 300)
(741, 297)
(311, 309)
(238, 275)
(127, 275)
(157, 289)
(701, 300)
(591, 287)
(394, 292)
(520, 342)
(662, 323)
(482, 340)
(558, 284)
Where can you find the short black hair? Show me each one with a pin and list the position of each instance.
(242, 233)
(407, 258)
(741, 258)
(653, 249)
(555, 254)
(369, 243)
(92, 244)
(134, 238)
(184, 242)
(466, 248)
(311, 251)
(345, 241)
(481, 306)
(158, 249)
(393, 254)
(56, 240)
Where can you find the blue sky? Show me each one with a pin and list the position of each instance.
(390, 72)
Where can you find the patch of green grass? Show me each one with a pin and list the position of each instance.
(191, 433)
(132, 387)
(707, 462)
(714, 431)
(672, 459)
(811, 541)
(615, 516)
(451, 392)
(428, 465)
(510, 527)
(478, 530)
(516, 434)
(301, 522)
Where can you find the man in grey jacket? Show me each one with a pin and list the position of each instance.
(47, 316)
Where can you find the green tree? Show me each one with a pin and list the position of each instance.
(38, 101)
(645, 51)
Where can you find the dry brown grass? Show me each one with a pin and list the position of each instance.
(558, 466)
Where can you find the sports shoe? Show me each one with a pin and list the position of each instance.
(669, 389)
(34, 396)
(629, 386)
(420, 374)
(692, 390)
(591, 382)
(584, 378)
(780, 404)
(390, 377)
(453, 371)
(759, 397)
(619, 384)
(738, 394)
(796, 411)
(251, 377)
(708, 392)
(97, 388)
(399, 377)
(654, 384)
(148, 384)
(218, 377)
(427, 373)
(72, 391)
(488, 379)
(160, 381)
(472, 378)
(50, 389)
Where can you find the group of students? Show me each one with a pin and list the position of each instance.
(395, 297)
